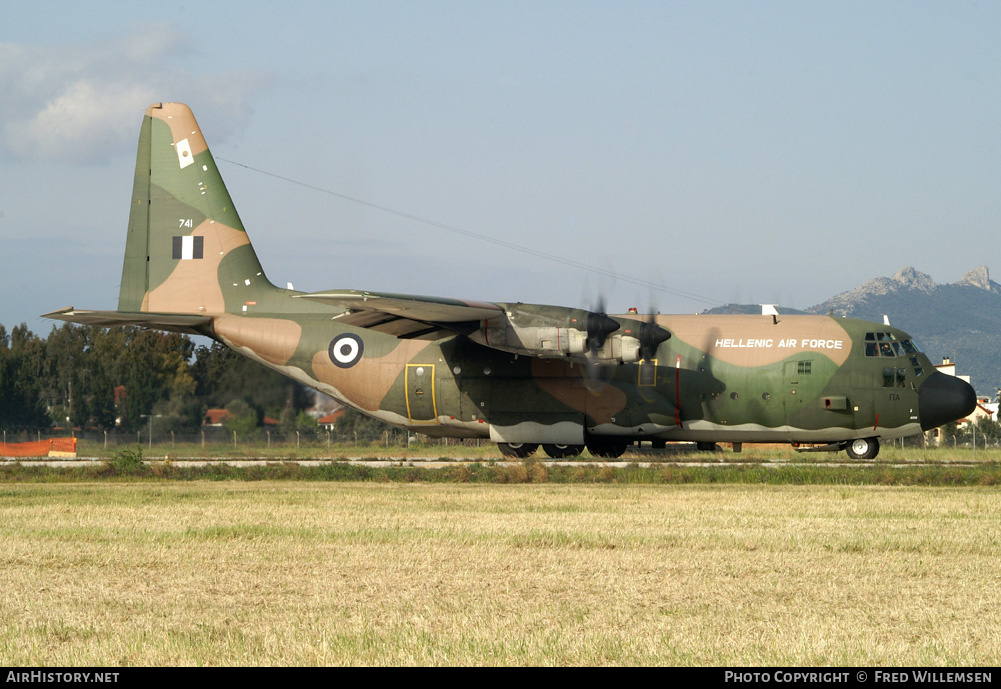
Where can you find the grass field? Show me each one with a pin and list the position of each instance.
(297, 573)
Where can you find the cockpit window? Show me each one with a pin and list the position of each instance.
(887, 345)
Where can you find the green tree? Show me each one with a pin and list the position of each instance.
(222, 375)
(242, 420)
(21, 365)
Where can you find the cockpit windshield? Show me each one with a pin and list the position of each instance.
(887, 346)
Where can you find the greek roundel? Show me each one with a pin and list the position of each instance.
(346, 350)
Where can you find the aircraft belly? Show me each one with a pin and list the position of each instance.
(558, 432)
(705, 431)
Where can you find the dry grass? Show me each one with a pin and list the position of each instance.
(296, 573)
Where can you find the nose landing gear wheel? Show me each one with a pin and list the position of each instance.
(863, 448)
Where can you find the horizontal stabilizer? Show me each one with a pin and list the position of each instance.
(174, 322)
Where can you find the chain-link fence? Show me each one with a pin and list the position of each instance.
(214, 439)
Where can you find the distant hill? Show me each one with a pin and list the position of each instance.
(961, 320)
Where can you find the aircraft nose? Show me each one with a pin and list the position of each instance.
(943, 398)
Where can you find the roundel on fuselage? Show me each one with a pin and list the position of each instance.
(346, 350)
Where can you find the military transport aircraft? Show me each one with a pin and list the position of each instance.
(519, 374)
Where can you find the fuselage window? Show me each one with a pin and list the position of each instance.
(871, 348)
(889, 374)
(804, 368)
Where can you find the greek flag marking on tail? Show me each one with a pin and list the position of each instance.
(186, 248)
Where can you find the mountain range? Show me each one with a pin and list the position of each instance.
(961, 320)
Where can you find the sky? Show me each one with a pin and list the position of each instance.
(666, 155)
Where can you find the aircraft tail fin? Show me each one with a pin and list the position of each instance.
(187, 250)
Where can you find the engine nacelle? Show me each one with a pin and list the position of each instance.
(558, 332)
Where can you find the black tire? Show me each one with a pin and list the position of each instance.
(862, 448)
(706, 447)
(607, 448)
(557, 451)
(517, 450)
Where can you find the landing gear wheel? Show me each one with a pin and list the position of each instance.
(518, 450)
(863, 448)
(706, 447)
(557, 451)
(606, 448)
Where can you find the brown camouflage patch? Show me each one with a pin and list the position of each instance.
(272, 339)
(194, 285)
(756, 340)
(567, 384)
(368, 382)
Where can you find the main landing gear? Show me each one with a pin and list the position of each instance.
(862, 448)
(605, 448)
(557, 451)
(517, 450)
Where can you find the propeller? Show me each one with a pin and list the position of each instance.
(598, 327)
(651, 336)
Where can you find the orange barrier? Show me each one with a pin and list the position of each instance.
(54, 447)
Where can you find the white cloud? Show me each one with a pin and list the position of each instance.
(81, 103)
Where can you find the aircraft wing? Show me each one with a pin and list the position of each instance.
(175, 322)
(406, 315)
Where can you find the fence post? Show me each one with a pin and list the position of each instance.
(234, 438)
(297, 440)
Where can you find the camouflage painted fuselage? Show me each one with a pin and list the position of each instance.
(514, 373)
(719, 378)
